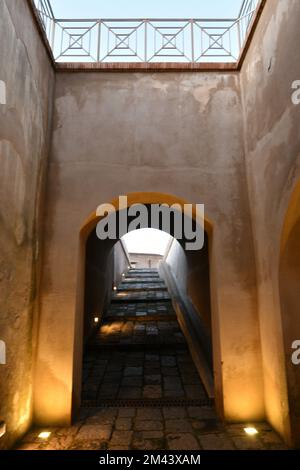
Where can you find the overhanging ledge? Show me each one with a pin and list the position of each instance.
(73, 67)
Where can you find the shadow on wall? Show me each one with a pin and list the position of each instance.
(106, 261)
(190, 270)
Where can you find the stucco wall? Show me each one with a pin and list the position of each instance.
(121, 261)
(272, 140)
(145, 261)
(24, 135)
(190, 270)
(175, 133)
(105, 264)
(185, 134)
(99, 275)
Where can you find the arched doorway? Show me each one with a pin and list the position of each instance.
(147, 329)
(235, 342)
(289, 288)
(89, 302)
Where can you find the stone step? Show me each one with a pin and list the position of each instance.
(135, 347)
(140, 288)
(142, 280)
(147, 402)
(136, 308)
(141, 318)
(136, 297)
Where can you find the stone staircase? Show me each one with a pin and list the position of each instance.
(139, 355)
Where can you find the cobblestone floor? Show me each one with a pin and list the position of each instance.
(139, 332)
(145, 357)
(171, 428)
(140, 354)
(153, 374)
(141, 309)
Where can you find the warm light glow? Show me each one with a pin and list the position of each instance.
(147, 241)
(115, 288)
(108, 329)
(44, 435)
(251, 431)
(123, 275)
(96, 320)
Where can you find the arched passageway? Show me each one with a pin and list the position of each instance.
(213, 321)
(101, 266)
(141, 324)
(237, 395)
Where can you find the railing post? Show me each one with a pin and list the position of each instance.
(53, 35)
(99, 42)
(146, 41)
(192, 41)
(239, 35)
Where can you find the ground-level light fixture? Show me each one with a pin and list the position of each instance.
(96, 319)
(44, 435)
(2, 428)
(114, 288)
(251, 431)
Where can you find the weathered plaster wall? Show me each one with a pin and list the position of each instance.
(24, 135)
(121, 261)
(106, 261)
(182, 134)
(99, 276)
(190, 270)
(177, 262)
(145, 261)
(272, 140)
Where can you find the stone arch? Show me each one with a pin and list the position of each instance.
(146, 198)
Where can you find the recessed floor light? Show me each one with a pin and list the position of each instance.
(2, 428)
(44, 435)
(250, 431)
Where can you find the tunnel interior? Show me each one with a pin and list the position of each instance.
(138, 345)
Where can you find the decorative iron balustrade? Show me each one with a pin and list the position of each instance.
(146, 40)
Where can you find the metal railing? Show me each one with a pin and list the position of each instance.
(146, 40)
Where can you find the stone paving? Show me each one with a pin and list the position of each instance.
(133, 375)
(145, 357)
(135, 295)
(142, 309)
(138, 331)
(170, 428)
(138, 357)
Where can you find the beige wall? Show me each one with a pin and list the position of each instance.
(145, 261)
(175, 133)
(229, 140)
(24, 135)
(190, 270)
(272, 141)
(104, 263)
(99, 278)
(121, 261)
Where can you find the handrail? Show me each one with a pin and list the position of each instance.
(147, 40)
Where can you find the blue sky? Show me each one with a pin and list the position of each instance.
(146, 9)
